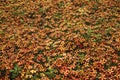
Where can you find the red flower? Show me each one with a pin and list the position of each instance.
(80, 45)
(39, 57)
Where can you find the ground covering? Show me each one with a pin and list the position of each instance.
(59, 39)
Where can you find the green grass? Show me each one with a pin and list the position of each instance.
(41, 10)
(2, 33)
(61, 4)
(108, 31)
(50, 72)
(15, 71)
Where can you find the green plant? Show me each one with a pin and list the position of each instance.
(21, 21)
(2, 33)
(61, 4)
(41, 10)
(31, 15)
(2, 19)
(57, 56)
(110, 64)
(118, 53)
(117, 25)
(108, 31)
(2, 72)
(82, 56)
(95, 7)
(58, 15)
(1, 12)
(87, 23)
(47, 26)
(80, 61)
(22, 13)
(88, 33)
(98, 37)
(100, 21)
(15, 71)
(50, 72)
(36, 55)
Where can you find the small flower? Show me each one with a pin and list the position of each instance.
(33, 71)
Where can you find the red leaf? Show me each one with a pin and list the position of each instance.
(80, 46)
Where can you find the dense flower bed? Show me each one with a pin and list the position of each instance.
(60, 39)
